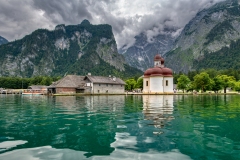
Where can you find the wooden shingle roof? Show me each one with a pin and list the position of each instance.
(70, 81)
(105, 80)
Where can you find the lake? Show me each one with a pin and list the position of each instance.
(142, 127)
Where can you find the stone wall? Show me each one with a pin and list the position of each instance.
(65, 90)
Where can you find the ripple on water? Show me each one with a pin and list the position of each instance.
(121, 127)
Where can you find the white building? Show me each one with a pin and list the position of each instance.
(158, 79)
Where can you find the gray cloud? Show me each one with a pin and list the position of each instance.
(61, 11)
(128, 18)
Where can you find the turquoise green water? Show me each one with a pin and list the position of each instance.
(120, 127)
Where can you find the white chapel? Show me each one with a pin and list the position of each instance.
(159, 79)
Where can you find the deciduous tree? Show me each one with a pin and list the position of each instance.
(130, 84)
(217, 84)
(237, 86)
(227, 81)
(202, 81)
(139, 83)
(182, 82)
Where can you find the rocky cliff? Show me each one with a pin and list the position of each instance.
(73, 49)
(142, 53)
(213, 32)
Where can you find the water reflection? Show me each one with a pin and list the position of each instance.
(119, 127)
(207, 125)
(159, 109)
(89, 121)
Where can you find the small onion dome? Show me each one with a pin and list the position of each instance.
(156, 71)
(148, 72)
(167, 72)
(157, 57)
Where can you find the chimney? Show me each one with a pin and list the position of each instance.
(89, 74)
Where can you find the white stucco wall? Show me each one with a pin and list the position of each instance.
(108, 89)
(156, 84)
(169, 88)
(145, 87)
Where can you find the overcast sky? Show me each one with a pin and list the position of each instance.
(127, 17)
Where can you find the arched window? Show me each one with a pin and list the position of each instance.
(166, 82)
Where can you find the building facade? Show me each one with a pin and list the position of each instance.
(72, 84)
(105, 85)
(158, 79)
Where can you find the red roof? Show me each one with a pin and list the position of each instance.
(158, 71)
(148, 72)
(167, 71)
(157, 57)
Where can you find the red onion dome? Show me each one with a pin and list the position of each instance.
(157, 71)
(157, 57)
(167, 71)
(148, 72)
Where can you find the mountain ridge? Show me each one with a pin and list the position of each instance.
(3, 40)
(142, 53)
(73, 49)
(207, 33)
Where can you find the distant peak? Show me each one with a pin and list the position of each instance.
(85, 22)
(3, 40)
(60, 26)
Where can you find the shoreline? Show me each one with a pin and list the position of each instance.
(126, 93)
(82, 94)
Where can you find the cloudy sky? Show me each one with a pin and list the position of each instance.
(127, 17)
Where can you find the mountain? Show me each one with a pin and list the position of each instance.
(74, 49)
(209, 40)
(142, 53)
(3, 40)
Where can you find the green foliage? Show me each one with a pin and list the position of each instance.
(191, 74)
(79, 57)
(24, 83)
(183, 82)
(217, 84)
(237, 86)
(96, 66)
(180, 59)
(211, 72)
(139, 83)
(190, 87)
(134, 83)
(212, 79)
(227, 81)
(218, 31)
(202, 81)
(226, 58)
(176, 76)
(130, 84)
